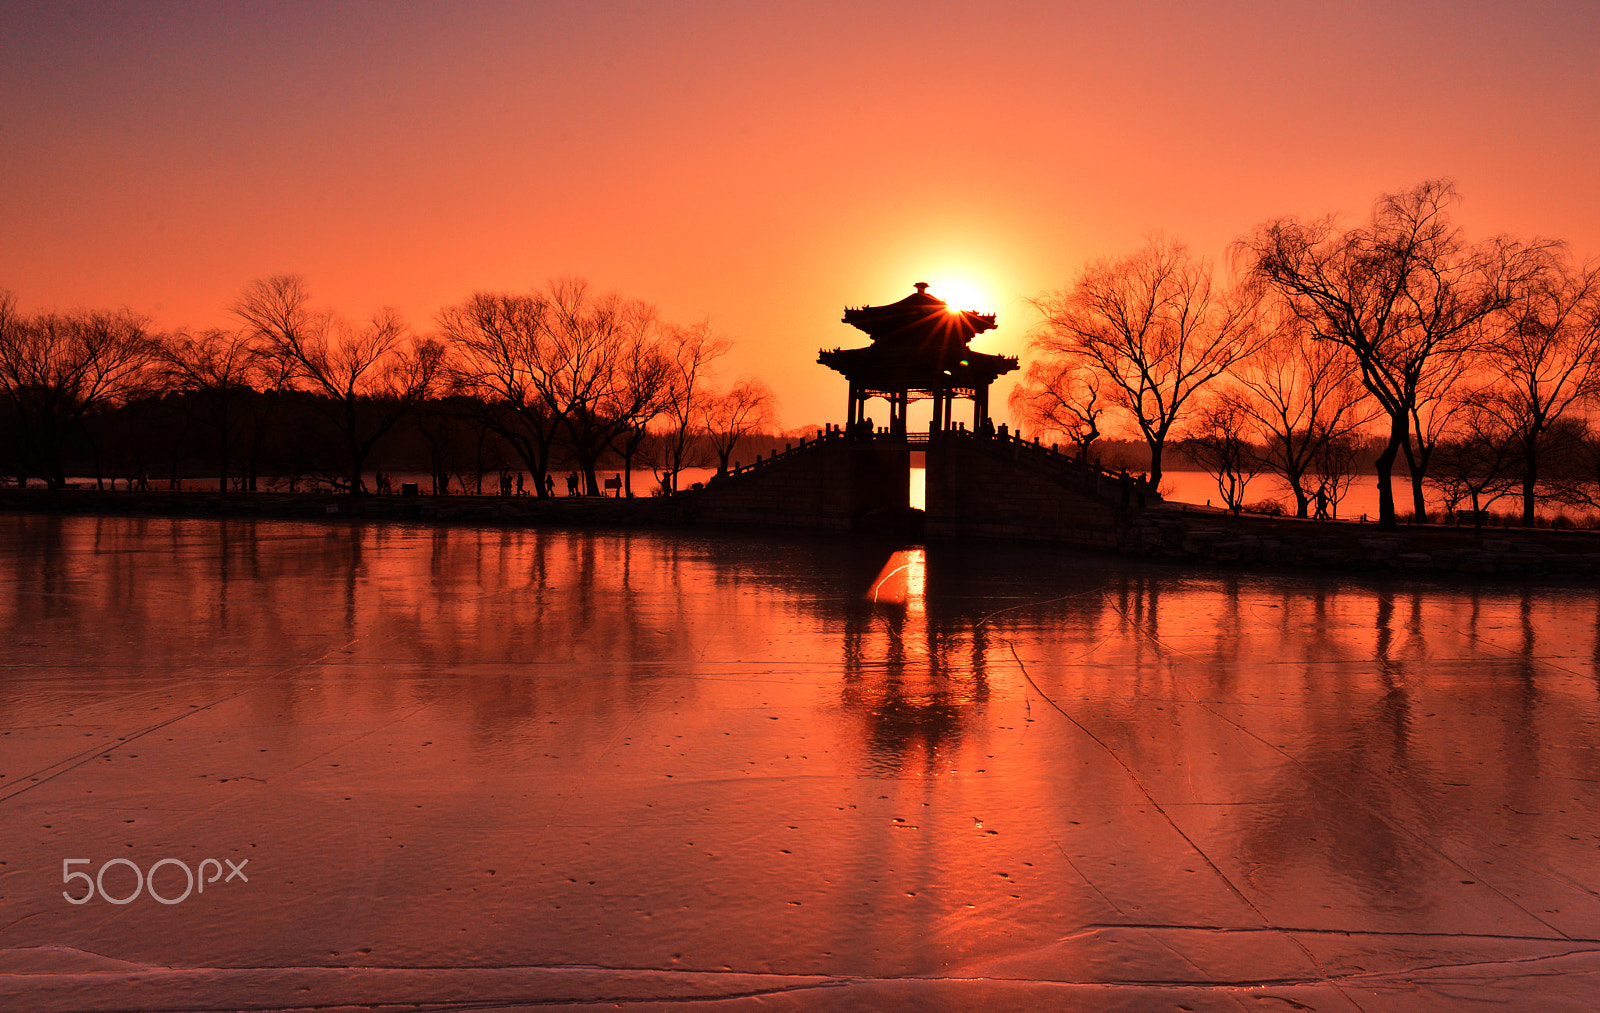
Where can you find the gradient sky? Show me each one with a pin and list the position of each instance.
(760, 165)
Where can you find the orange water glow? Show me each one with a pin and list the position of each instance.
(903, 579)
(453, 756)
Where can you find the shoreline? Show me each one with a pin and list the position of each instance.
(1179, 533)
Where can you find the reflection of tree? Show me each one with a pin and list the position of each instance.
(540, 622)
(1365, 794)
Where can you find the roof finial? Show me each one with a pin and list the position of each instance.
(921, 287)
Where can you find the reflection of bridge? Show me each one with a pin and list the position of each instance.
(977, 484)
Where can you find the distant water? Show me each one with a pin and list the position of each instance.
(587, 766)
(1182, 487)
(1361, 498)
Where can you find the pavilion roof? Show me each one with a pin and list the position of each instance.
(918, 343)
(919, 315)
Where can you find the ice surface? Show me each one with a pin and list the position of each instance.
(465, 768)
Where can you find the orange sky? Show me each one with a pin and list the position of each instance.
(760, 167)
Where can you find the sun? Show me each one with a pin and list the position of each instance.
(961, 294)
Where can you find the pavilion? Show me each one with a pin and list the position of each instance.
(918, 351)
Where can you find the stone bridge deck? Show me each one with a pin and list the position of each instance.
(977, 485)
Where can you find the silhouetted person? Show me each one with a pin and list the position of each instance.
(572, 483)
(1322, 503)
(1124, 481)
(1140, 488)
(549, 485)
(520, 490)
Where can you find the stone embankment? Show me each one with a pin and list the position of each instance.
(1179, 534)
(1188, 535)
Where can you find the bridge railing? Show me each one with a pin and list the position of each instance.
(1067, 466)
(1089, 475)
(792, 449)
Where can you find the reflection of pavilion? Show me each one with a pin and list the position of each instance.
(918, 351)
(918, 681)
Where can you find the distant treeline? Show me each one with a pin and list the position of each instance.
(285, 442)
(1336, 349)
(559, 380)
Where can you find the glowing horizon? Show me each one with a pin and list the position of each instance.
(760, 169)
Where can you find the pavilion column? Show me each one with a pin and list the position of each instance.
(980, 407)
(938, 411)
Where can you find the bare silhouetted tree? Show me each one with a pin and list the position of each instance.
(1298, 395)
(691, 352)
(1546, 361)
(1478, 458)
(1402, 292)
(747, 407)
(609, 372)
(506, 360)
(365, 378)
(56, 368)
(1216, 439)
(218, 368)
(1061, 397)
(642, 392)
(1333, 468)
(1570, 462)
(1438, 391)
(1155, 327)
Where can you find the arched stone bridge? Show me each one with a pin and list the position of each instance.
(977, 485)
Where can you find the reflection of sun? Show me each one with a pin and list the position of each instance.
(961, 294)
(903, 580)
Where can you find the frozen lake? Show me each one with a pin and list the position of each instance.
(456, 768)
